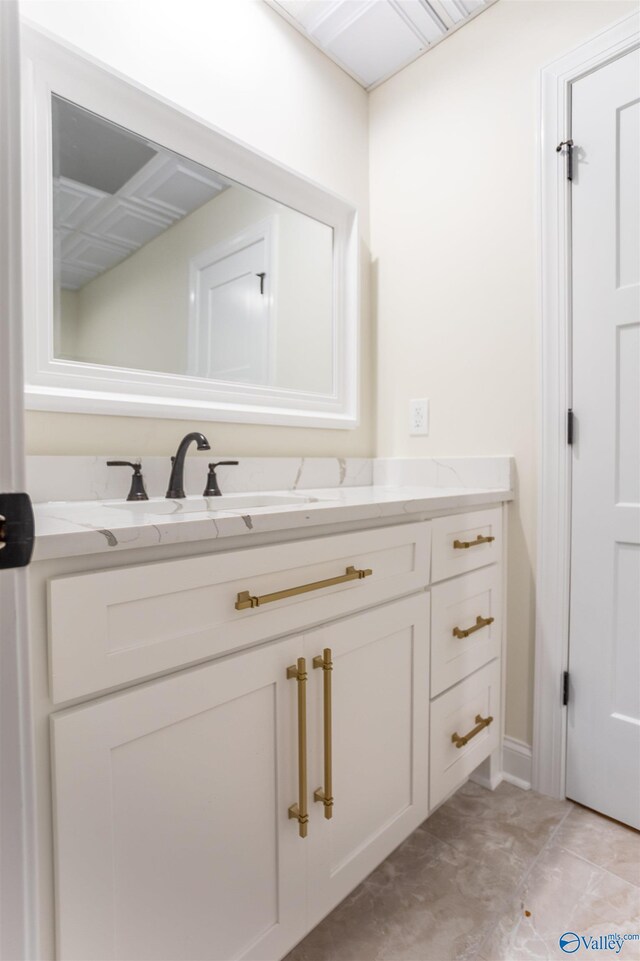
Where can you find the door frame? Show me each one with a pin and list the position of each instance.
(18, 929)
(554, 475)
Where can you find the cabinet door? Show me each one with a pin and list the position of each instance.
(171, 829)
(380, 717)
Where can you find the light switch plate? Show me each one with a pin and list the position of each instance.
(418, 417)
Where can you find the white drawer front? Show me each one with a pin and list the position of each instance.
(456, 712)
(459, 543)
(466, 626)
(110, 627)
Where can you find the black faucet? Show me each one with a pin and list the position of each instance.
(137, 491)
(176, 481)
(213, 488)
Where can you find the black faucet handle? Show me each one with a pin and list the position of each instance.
(136, 491)
(212, 489)
(137, 467)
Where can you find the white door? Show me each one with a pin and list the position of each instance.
(603, 746)
(17, 875)
(379, 740)
(233, 296)
(171, 831)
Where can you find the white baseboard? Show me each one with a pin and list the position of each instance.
(516, 763)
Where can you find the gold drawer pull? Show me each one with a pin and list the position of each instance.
(480, 539)
(299, 811)
(325, 795)
(479, 624)
(245, 599)
(481, 723)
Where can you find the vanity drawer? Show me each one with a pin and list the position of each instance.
(107, 628)
(464, 542)
(460, 711)
(466, 626)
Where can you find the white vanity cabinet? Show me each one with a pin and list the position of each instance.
(172, 831)
(194, 771)
(380, 732)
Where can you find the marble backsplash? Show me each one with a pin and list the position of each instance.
(73, 478)
(486, 472)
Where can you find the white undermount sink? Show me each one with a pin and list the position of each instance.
(196, 505)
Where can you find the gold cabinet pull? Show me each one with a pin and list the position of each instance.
(325, 795)
(480, 539)
(245, 599)
(479, 624)
(299, 811)
(481, 723)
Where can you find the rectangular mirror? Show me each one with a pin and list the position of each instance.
(161, 264)
(182, 273)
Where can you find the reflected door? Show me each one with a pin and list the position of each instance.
(603, 746)
(233, 313)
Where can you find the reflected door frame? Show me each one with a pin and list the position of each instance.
(554, 476)
(199, 334)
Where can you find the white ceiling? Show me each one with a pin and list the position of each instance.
(373, 39)
(95, 230)
(113, 192)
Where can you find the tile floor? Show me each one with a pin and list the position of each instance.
(491, 876)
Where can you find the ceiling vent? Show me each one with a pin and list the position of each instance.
(373, 39)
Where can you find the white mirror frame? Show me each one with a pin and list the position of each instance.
(62, 385)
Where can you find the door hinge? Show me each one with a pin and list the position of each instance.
(565, 688)
(568, 156)
(16, 530)
(570, 426)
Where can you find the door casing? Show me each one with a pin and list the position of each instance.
(18, 930)
(554, 475)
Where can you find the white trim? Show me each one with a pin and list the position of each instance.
(18, 929)
(52, 384)
(486, 777)
(554, 489)
(513, 764)
(516, 763)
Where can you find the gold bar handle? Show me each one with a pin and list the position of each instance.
(245, 599)
(481, 723)
(480, 539)
(479, 624)
(299, 811)
(325, 795)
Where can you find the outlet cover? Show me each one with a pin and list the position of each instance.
(419, 417)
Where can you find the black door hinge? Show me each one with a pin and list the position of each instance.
(16, 530)
(565, 688)
(570, 426)
(568, 155)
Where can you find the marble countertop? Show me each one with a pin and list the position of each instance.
(73, 528)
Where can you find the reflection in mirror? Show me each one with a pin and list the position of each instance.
(163, 265)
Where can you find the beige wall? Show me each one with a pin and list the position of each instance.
(453, 216)
(242, 67)
(453, 210)
(137, 314)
